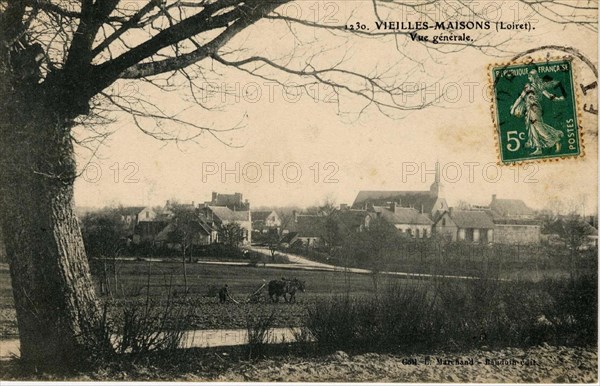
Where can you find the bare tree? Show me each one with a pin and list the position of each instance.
(61, 65)
(184, 231)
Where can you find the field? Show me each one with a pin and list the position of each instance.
(367, 336)
(160, 280)
(242, 280)
(185, 297)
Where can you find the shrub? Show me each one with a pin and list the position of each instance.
(573, 312)
(258, 329)
(460, 314)
(334, 322)
(152, 326)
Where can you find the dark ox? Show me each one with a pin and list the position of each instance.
(284, 287)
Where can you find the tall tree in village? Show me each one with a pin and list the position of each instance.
(184, 229)
(60, 61)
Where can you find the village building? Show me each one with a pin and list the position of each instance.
(147, 214)
(155, 224)
(515, 222)
(149, 224)
(129, 215)
(351, 221)
(465, 225)
(233, 201)
(304, 230)
(510, 208)
(517, 231)
(152, 221)
(129, 219)
(199, 233)
(264, 221)
(219, 216)
(429, 202)
(407, 220)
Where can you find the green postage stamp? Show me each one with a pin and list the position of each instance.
(535, 110)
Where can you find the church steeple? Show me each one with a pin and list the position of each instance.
(436, 188)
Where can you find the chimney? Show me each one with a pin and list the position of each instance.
(295, 215)
(214, 197)
(421, 208)
(493, 197)
(193, 204)
(451, 210)
(343, 206)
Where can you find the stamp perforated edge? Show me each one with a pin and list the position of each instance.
(525, 61)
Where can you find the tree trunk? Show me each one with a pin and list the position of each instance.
(58, 315)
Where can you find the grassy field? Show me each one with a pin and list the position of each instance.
(133, 278)
(137, 280)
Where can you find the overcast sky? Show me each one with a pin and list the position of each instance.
(284, 134)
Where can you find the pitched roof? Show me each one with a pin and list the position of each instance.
(471, 219)
(260, 215)
(195, 226)
(510, 207)
(350, 220)
(207, 228)
(408, 199)
(288, 237)
(164, 234)
(226, 214)
(403, 216)
(310, 225)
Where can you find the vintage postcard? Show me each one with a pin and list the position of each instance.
(299, 191)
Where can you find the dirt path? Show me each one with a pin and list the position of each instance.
(303, 262)
(300, 262)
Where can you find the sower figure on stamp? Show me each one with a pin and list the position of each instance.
(540, 135)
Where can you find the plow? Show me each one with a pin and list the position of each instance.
(254, 297)
(257, 296)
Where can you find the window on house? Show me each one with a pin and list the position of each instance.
(418, 235)
(443, 222)
(424, 232)
(147, 214)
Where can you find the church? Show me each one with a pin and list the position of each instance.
(430, 203)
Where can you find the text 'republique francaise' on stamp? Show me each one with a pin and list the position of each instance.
(534, 108)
